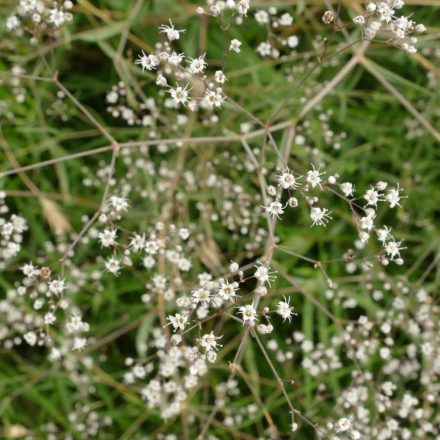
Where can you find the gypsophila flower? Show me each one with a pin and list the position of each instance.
(287, 180)
(170, 31)
(178, 321)
(108, 237)
(372, 197)
(263, 274)
(147, 62)
(320, 216)
(113, 265)
(347, 188)
(119, 204)
(209, 341)
(249, 314)
(393, 197)
(227, 290)
(197, 65)
(284, 309)
(275, 209)
(235, 45)
(313, 177)
(179, 95)
(393, 248)
(57, 286)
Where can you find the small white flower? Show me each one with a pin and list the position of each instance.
(179, 95)
(201, 295)
(249, 314)
(119, 204)
(79, 343)
(197, 65)
(275, 209)
(178, 321)
(113, 265)
(287, 180)
(219, 77)
(393, 196)
(57, 286)
(372, 197)
(170, 31)
(262, 17)
(227, 290)
(320, 216)
(313, 177)
(214, 98)
(235, 45)
(147, 62)
(285, 310)
(393, 248)
(108, 237)
(347, 188)
(343, 425)
(209, 341)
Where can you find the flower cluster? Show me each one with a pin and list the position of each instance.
(40, 17)
(12, 228)
(275, 43)
(364, 216)
(380, 18)
(192, 87)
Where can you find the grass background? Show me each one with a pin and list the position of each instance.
(32, 391)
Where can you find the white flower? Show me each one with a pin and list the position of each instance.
(219, 77)
(367, 222)
(113, 265)
(147, 62)
(179, 95)
(320, 216)
(372, 197)
(262, 17)
(209, 341)
(275, 209)
(137, 242)
(292, 41)
(343, 424)
(171, 32)
(201, 295)
(213, 98)
(79, 343)
(313, 177)
(285, 310)
(264, 49)
(393, 248)
(287, 180)
(383, 234)
(57, 286)
(197, 65)
(178, 321)
(108, 237)
(57, 17)
(235, 45)
(30, 338)
(29, 270)
(249, 314)
(175, 58)
(263, 274)
(242, 7)
(347, 188)
(49, 318)
(393, 197)
(118, 203)
(286, 19)
(227, 290)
